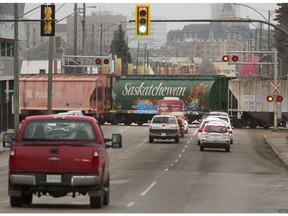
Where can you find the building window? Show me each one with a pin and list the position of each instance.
(41, 71)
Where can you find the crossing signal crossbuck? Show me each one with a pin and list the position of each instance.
(47, 20)
(142, 21)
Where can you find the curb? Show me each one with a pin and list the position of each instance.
(275, 150)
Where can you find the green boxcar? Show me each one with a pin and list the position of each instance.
(135, 97)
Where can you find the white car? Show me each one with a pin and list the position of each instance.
(202, 125)
(215, 135)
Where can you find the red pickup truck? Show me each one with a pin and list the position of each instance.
(59, 154)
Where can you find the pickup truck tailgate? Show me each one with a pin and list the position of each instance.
(55, 158)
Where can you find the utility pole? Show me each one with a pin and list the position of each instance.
(137, 63)
(50, 63)
(16, 72)
(83, 35)
(75, 35)
(101, 36)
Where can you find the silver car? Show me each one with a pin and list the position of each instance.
(215, 135)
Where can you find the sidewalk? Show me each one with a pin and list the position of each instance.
(278, 141)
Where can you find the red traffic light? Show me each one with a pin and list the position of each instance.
(225, 58)
(279, 98)
(235, 58)
(270, 98)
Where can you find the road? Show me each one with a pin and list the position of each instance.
(165, 177)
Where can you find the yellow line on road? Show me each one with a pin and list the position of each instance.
(126, 154)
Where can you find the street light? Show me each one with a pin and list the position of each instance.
(267, 20)
(249, 40)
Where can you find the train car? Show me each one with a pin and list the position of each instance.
(253, 108)
(125, 99)
(88, 93)
(135, 97)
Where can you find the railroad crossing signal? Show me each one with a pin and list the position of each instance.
(279, 98)
(47, 20)
(226, 58)
(142, 21)
(270, 98)
(104, 61)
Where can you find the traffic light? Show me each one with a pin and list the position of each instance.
(225, 58)
(270, 98)
(47, 20)
(142, 20)
(279, 98)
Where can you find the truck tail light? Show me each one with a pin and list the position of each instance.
(95, 159)
(12, 159)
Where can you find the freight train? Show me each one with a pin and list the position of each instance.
(134, 98)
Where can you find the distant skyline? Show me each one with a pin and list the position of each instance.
(165, 10)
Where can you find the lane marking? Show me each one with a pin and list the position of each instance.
(148, 189)
(127, 153)
(167, 169)
(130, 204)
(180, 155)
(176, 160)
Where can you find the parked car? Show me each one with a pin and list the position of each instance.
(215, 135)
(164, 127)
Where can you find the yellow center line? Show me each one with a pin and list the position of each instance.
(126, 154)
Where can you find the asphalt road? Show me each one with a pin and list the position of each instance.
(165, 177)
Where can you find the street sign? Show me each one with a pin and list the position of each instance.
(9, 91)
(275, 87)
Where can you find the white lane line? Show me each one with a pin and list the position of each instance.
(183, 150)
(176, 160)
(172, 164)
(180, 155)
(167, 169)
(130, 204)
(148, 189)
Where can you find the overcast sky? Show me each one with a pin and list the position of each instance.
(165, 9)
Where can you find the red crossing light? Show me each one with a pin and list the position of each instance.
(279, 98)
(270, 98)
(98, 61)
(225, 58)
(235, 58)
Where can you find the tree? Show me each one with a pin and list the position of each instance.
(120, 48)
(281, 40)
